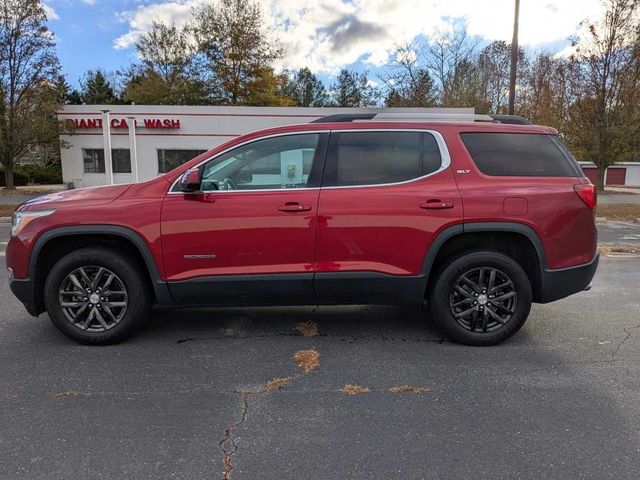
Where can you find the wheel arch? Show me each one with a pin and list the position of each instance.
(516, 240)
(61, 240)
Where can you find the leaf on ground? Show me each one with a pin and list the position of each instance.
(277, 383)
(353, 389)
(66, 394)
(307, 329)
(408, 389)
(606, 249)
(307, 359)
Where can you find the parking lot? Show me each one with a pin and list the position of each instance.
(193, 396)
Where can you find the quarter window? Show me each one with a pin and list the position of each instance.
(374, 158)
(279, 162)
(520, 154)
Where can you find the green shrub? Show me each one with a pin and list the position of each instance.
(33, 175)
(19, 178)
(41, 175)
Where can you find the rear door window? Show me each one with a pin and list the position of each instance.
(520, 154)
(376, 158)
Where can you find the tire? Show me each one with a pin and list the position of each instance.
(114, 307)
(453, 309)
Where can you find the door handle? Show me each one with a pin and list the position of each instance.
(294, 207)
(436, 205)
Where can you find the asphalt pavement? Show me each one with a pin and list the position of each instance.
(186, 398)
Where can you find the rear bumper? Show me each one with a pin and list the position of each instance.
(25, 292)
(557, 284)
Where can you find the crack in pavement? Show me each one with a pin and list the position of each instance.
(340, 337)
(228, 452)
(624, 340)
(227, 444)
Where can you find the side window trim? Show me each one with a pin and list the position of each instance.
(315, 176)
(331, 164)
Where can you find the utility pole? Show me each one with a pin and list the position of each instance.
(514, 59)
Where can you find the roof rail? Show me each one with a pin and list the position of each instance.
(344, 117)
(423, 117)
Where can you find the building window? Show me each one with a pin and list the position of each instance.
(94, 160)
(170, 159)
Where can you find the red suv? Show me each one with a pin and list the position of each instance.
(474, 219)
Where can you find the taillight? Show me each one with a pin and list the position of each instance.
(587, 193)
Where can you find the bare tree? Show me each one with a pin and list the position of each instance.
(450, 59)
(29, 69)
(408, 82)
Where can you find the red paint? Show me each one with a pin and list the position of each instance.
(121, 123)
(382, 228)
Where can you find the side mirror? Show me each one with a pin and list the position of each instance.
(190, 181)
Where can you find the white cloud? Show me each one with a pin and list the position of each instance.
(141, 19)
(327, 34)
(51, 13)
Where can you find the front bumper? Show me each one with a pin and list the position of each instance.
(26, 293)
(557, 284)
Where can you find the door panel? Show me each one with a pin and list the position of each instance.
(382, 232)
(253, 227)
(247, 232)
(383, 229)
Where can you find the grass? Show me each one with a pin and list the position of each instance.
(7, 210)
(619, 211)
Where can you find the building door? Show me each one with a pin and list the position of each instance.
(249, 235)
(616, 175)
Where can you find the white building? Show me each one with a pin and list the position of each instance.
(166, 136)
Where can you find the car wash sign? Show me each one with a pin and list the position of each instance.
(150, 123)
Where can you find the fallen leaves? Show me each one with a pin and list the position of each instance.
(66, 394)
(278, 383)
(307, 360)
(408, 389)
(607, 250)
(307, 329)
(353, 389)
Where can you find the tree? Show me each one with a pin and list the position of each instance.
(604, 124)
(306, 90)
(494, 65)
(237, 51)
(409, 84)
(29, 69)
(95, 89)
(170, 70)
(451, 61)
(352, 89)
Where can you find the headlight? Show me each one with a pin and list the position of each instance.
(22, 219)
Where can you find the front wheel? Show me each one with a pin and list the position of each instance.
(97, 296)
(481, 298)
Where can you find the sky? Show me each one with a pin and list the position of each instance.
(324, 35)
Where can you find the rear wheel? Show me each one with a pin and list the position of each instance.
(481, 298)
(97, 296)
